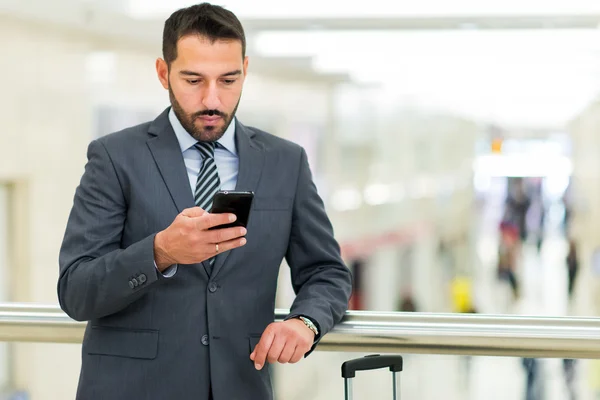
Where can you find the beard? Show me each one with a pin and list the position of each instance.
(210, 133)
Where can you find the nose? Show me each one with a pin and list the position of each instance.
(211, 97)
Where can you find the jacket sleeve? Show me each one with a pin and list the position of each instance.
(98, 277)
(320, 279)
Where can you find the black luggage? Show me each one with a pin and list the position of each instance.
(374, 361)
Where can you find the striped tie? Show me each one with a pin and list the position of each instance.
(208, 182)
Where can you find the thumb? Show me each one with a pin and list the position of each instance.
(193, 212)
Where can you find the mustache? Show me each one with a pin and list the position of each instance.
(209, 113)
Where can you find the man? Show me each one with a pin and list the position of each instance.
(177, 311)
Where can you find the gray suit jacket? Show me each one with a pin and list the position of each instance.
(150, 337)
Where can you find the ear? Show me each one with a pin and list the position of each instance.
(245, 67)
(162, 70)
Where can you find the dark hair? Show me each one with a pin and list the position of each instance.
(210, 21)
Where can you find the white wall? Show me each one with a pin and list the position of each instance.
(586, 173)
(584, 132)
(4, 271)
(42, 142)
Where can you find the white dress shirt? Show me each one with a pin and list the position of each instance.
(226, 156)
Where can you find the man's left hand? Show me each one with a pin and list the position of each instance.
(284, 342)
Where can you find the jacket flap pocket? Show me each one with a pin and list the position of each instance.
(272, 203)
(121, 342)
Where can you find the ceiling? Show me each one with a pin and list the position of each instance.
(311, 9)
(526, 63)
(522, 77)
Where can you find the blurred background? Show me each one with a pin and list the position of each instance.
(455, 143)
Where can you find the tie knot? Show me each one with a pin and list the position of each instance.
(207, 149)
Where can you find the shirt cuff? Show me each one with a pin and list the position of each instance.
(169, 272)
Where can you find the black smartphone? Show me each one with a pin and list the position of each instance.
(238, 203)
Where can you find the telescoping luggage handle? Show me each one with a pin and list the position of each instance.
(373, 361)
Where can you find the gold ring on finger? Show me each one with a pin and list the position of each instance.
(216, 248)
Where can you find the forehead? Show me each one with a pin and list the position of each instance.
(199, 51)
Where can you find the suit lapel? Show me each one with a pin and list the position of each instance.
(251, 163)
(166, 151)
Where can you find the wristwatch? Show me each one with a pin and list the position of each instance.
(309, 324)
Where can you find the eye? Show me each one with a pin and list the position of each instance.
(192, 81)
(228, 81)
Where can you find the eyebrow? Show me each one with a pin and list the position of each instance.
(192, 73)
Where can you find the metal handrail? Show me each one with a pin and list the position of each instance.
(380, 332)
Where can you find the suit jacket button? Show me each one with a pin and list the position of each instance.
(205, 340)
(212, 287)
(142, 278)
(131, 285)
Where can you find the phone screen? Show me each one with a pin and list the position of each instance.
(238, 203)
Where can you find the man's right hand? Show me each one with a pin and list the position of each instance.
(188, 239)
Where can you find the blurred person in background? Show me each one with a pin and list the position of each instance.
(572, 262)
(462, 299)
(517, 205)
(513, 232)
(357, 267)
(568, 204)
(177, 310)
(534, 385)
(468, 359)
(537, 213)
(407, 303)
(569, 373)
(508, 249)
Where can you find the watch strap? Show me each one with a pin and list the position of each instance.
(310, 325)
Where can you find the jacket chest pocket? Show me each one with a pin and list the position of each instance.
(269, 227)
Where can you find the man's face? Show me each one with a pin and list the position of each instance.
(205, 84)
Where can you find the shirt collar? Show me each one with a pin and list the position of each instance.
(186, 140)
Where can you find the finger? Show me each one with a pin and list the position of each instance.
(224, 246)
(223, 235)
(262, 349)
(193, 212)
(298, 354)
(287, 353)
(276, 349)
(209, 220)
